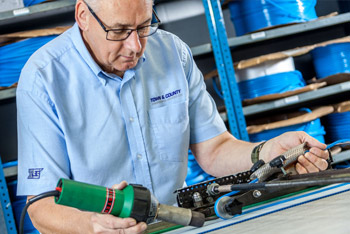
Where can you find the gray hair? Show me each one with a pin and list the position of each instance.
(94, 4)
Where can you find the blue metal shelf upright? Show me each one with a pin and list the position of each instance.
(225, 69)
(7, 222)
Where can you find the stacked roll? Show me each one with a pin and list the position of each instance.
(331, 59)
(14, 56)
(337, 124)
(32, 2)
(252, 15)
(303, 120)
(270, 77)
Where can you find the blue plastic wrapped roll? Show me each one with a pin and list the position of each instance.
(276, 83)
(331, 59)
(32, 2)
(337, 126)
(14, 56)
(313, 128)
(251, 15)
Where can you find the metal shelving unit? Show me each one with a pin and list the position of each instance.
(7, 222)
(224, 65)
(36, 11)
(220, 45)
(7, 93)
(297, 99)
(276, 33)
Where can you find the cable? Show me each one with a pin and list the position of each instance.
(256, 180)
(229, 194)
(53, 193)
(337, 142)
(216, 88)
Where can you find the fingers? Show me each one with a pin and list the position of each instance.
(319, 153)
(120, 186)
(310, 163)
(106, 223)
(300, 169)
(110, 221)
(139, 228)
(312, 142)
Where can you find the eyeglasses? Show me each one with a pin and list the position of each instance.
(123, 34)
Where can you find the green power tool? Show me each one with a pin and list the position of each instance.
(133, 201)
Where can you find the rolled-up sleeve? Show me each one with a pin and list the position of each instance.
(42, 154)
(205, 121)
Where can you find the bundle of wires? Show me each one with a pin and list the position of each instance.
(195, 174)
(337, 126)
(251, 15)
(331, 59)
(271, 84)
(15, 55)
(32, 2)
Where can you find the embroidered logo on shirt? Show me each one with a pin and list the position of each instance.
(165, 96)
(34, 173)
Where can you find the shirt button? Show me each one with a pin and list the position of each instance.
(139, 156)
(131, 119)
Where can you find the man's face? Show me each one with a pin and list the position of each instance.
(118, 56)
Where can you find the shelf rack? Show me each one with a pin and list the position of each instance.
(293, 100)
(36, 11)
(7, 93)
(297, 99)
(7, 221)
(224, 64)
(276, 33)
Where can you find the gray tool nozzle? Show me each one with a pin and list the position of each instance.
(180, 216)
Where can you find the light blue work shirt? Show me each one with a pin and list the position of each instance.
(77, 121)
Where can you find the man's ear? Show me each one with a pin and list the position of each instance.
(81, 15)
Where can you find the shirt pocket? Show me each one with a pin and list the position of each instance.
(170, 129)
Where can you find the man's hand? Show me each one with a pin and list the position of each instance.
(312, 161)
(106, 223)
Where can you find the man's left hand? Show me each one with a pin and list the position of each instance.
(313, 161)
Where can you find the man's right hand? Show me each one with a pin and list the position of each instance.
(106, 223)
(49, 217)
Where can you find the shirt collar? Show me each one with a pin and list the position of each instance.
(102, 75)
(80, 45)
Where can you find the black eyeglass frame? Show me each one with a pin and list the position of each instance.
(128, 30)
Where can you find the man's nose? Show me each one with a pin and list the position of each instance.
(133, 42)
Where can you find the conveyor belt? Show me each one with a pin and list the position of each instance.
(310, 212)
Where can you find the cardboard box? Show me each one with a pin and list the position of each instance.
(303, 118)
(17, 36)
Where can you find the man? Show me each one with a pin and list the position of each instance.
(99, 106)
